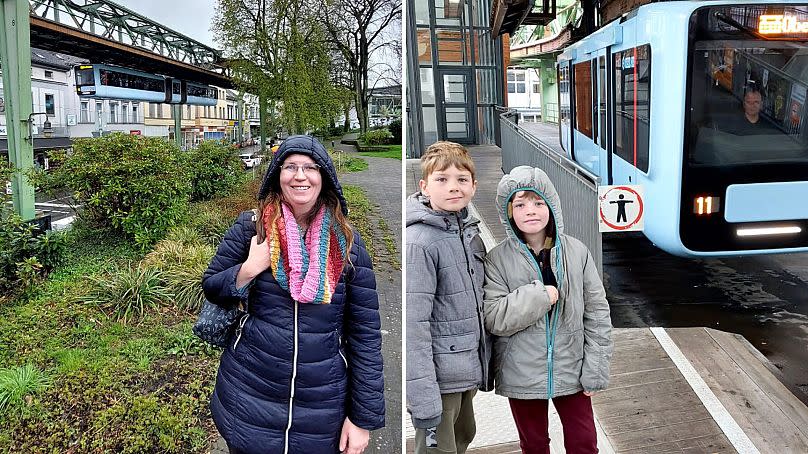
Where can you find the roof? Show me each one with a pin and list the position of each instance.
(55, 60)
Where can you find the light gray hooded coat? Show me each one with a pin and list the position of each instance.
(447, 350)
(543, 351)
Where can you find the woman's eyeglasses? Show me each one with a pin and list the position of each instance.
(308, 169)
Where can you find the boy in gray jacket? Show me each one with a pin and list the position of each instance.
(447, 356)
(547, 309)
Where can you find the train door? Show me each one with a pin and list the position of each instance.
(585, 122)
(601, 122)
(564, 108)
(456, 105)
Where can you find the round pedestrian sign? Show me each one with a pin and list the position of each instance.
(620, 208)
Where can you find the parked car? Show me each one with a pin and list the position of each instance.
(250, 160)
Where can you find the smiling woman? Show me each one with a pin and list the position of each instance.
(304, 371)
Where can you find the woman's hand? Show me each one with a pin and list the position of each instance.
(589, 393)
(553, 292)
(354, 439)
(257, 262)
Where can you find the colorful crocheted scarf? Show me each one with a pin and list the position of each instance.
(307, 266)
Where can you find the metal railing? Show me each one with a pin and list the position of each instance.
(577, 187)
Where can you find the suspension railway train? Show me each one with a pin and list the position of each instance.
(113, 82)
(662, 97)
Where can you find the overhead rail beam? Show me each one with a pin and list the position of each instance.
(507, 15)
(100, 30)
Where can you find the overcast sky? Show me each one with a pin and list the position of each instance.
(189, 17)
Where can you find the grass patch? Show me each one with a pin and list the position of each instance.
(347, 163)
(77, 374)
(359, 211)
(389, 244)
(389, 151)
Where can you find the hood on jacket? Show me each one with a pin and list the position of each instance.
(311, 147)
(526, 178)
(420, 212)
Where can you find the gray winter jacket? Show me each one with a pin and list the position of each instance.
(542, 351)
(446, 347)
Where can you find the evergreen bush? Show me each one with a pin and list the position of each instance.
(214, 169)
(131, 184)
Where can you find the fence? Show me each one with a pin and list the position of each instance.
(577, 188)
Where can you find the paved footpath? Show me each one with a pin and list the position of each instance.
(382, 185)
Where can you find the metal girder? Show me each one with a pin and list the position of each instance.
(508, 15)
(113, 22)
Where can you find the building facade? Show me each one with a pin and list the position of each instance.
(455, 73)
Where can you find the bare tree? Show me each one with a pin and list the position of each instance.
(357, 30)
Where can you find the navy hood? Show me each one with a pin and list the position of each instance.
(311, 147)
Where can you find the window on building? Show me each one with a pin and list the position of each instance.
(632, 89)
(125, 112)
(114, 111)
(84, 112)
(99, 111)
(516, 81)
(48, 74)
(135, 113)
(50, 108)
(152, 110)
(536, 87)
(583, 97)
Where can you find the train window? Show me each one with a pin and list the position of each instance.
(583, 98)
(747, 94)
(602, 100)
(594, 104)
(131, 81)
(564, 97)
(632, 98)
(84, 77)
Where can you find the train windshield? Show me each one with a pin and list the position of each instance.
(84, 77)
(748, 86)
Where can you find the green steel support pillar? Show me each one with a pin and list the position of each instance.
(262, 115)
(15, 55)
(549, 91)
(177, 110)
(240, 118)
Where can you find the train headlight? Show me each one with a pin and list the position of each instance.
(706, 205)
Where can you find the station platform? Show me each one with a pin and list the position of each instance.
(688, 390)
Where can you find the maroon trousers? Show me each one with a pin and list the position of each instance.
(577, 420)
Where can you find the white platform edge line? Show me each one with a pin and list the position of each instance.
(740, 441)
(485, 232)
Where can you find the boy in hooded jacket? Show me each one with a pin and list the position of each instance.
(447, 354)
(546, 307)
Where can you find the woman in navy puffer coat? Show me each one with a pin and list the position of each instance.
(304, 373)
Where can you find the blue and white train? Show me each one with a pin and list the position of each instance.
(113, 82)
(667, 96)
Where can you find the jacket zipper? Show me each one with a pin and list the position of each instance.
(339, 350)
(240, 329)
(480, 353)
(292, 395)
(549, 332)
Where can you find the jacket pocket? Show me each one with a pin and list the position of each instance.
(456, 359)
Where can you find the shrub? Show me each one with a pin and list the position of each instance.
(214, 169)
(131, 184)
(395, 131)
(377, 137)
(211, 223)
(25, 254)
(18, 383)
(127, 294)
(182, 265)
